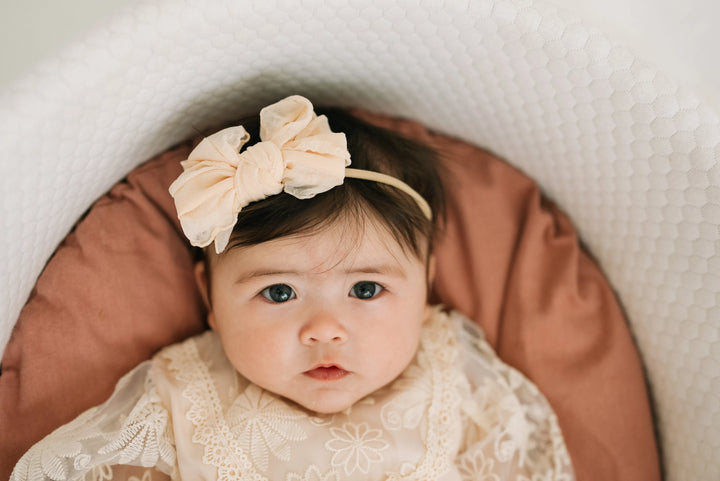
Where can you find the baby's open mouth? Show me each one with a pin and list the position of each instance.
(327, 373)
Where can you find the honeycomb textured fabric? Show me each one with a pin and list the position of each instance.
(628, 154)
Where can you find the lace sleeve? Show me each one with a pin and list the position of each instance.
(511, 431)
(131, 428)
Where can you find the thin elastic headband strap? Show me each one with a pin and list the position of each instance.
(389, 180)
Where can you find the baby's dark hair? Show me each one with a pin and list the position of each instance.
(371, 148)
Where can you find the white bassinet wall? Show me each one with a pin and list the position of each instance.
(632, 158)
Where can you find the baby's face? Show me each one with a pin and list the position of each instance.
(321, 319)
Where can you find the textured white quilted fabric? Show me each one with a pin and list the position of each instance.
(630, 156)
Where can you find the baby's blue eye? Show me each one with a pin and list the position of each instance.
(365, 290)
(278, 293)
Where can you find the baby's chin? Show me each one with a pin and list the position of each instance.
(328, 406)
(329, 403)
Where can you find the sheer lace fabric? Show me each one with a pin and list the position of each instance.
(456, 413)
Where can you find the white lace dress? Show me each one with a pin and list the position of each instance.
(456, 413)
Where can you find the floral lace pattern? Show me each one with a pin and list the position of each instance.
(509, 410)
(264, 425)
(105, 435)
(356, 447)
(456, 413)
(144, 435)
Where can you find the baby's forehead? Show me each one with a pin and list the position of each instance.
(348, 242)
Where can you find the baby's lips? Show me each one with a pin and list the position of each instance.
(327, 372)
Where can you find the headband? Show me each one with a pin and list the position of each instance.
(298, 154)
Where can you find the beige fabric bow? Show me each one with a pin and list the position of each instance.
(298, 153)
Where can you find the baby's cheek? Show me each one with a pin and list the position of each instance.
(397, 355)
(257, 355)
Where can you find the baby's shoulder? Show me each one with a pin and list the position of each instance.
(466, 333)
(201, 352)
(474, 356)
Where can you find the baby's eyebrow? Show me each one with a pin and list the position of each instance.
(254, 274)
(383, 269)
(391, 270)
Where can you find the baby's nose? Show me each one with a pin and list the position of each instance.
(323, 327)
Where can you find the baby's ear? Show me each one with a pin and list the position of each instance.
(431, 269)
(202, 281)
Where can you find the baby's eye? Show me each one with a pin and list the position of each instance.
(365, 290)
(278, 293)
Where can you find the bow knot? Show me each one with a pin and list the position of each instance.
(298, 154)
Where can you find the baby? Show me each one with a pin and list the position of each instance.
(324, 360)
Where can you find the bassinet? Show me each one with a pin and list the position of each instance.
(632, 158)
